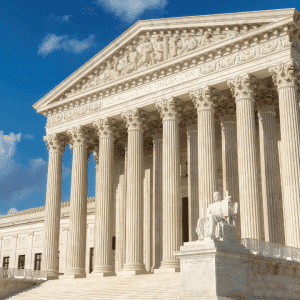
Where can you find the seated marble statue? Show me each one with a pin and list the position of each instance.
(219, 219)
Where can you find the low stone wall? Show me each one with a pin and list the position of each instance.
(213, 269)
(10, 286)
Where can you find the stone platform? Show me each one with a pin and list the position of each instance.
(214, 269)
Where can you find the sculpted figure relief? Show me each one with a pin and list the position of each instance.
(147, 53)
(158, 49)
(150, 50)
(219, 221)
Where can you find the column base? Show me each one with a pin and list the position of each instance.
(168, 266)
(133, 272)
(102, 274)
(133, 269)
(52, 274)
(73, 276)
(103, 271)
(74, 273)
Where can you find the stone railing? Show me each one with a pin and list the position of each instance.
(23, 274)
(273, 250)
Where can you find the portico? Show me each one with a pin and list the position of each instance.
(207, 86)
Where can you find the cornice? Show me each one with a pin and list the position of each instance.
(164, 24)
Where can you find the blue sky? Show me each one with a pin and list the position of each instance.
(42, 43)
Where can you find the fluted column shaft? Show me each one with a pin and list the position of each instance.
(193, 197)
(270, 175)
(76, 250)
(103, 201)
(230, 162)
(157, 200)
(171, 197)
(246, 144)
(134, 201)
(204, 102)
(52, 209)
(285, 79)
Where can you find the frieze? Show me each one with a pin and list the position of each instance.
(251, 51)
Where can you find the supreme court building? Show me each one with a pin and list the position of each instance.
(172, 111)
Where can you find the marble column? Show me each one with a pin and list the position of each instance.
(285, 78)
(134, 200)
(157, 200)
(103, 201)
(56, 147)
(171, 197)
(242, 90)
(204, 103)
(230, 162)
(193, 197)
(76, 250)
(270, 175)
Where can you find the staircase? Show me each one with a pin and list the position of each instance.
(147, 286)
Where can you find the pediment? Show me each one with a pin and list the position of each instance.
(148, 44)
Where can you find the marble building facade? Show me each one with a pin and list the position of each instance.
(172, 109)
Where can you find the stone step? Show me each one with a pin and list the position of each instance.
(146, 286)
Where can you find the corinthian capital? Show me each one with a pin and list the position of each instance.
(134, 119)
(204, 99)
(243, 87)
(78, 136)
(285, 74)
(55, 142)
(169, 109)
(104, 128)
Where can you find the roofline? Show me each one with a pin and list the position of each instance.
(139, 25)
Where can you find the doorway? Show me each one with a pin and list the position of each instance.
(185, 220)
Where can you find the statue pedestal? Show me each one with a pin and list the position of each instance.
(214, 269)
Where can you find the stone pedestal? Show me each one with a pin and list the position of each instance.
(213, 269)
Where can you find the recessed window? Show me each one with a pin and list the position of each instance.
(21, 263)
(37, 261)
(5, 264)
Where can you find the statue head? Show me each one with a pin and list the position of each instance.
(217, 196)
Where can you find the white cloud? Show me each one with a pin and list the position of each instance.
(17, 181)
(53, 42)
(131, 9)
(60, 19)
(7, 144)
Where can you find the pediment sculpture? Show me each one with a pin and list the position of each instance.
(219, 220)
(148, 50)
